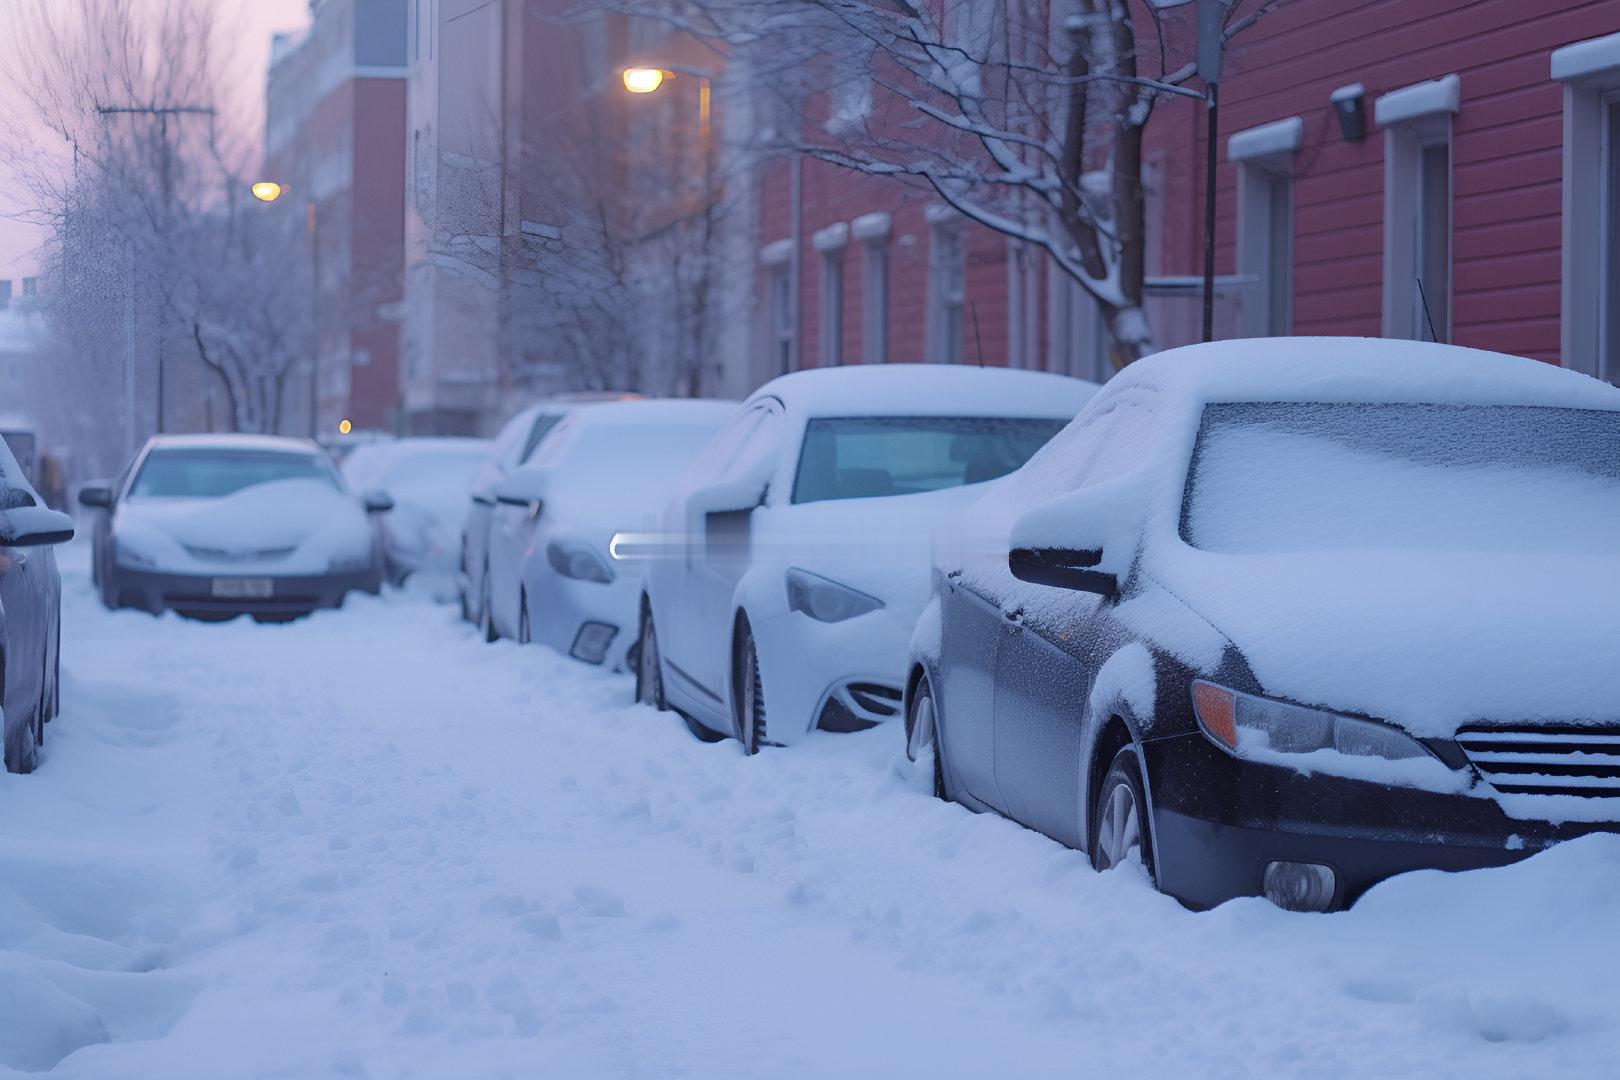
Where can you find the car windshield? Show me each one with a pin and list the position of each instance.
(213, 474)
(870, 456)
(1294, 477)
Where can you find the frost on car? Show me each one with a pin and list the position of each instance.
(214, 526)
(798, 540)
(1288, 617)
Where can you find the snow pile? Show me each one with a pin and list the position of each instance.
(366, 844)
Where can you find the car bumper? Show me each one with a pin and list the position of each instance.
(1218, 822)
(192, 595)
(840, 676)
(596, 622)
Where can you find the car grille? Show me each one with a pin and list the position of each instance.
(221, 555)
(1556, 759)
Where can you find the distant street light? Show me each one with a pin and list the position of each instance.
(344, 427)
(267, 191)
(643, 80)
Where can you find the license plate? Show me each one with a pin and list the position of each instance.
(244, 588)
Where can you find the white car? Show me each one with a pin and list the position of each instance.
(603, 471)
(214, 526)
(513, 445)
(788, 572)
(428, 479)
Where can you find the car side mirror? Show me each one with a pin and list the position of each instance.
(1085, 540)
(377, 502)
(96, 496)
(34, 526)
(1063, 568)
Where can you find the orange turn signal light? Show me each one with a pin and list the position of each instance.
(1216, 709)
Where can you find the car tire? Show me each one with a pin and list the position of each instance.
(26, 754)
(486, 614)
(649, 673)
(747, 692)
(922, 747)
(1122, 821)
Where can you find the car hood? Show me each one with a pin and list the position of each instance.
(1426, 640)
(299, 525)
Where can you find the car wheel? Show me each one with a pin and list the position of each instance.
(748, 696)
(1121, 824)
(486, 617)
(922, 736)
(649, 675)
(25, 755)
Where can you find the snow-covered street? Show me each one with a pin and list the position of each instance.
(367, 844)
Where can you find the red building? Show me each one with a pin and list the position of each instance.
(335, 137)
(1477, 202)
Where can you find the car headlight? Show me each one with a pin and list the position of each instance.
(1247, 725)
(825, 600)
(574, 560)
(126, 556)
(349, 564)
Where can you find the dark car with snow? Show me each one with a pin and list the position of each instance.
(215, 526)
(30, 614)
(1287, 617)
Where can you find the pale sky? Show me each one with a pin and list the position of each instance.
(259, 19)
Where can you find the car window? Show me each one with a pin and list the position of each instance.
(1306, 477)
(733, 447)
(510, 439)
(542, 426)
(213, 474)
(872, 456)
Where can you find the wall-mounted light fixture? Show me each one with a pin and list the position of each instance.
(1347, 106)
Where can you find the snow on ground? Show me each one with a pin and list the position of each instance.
(368, 845)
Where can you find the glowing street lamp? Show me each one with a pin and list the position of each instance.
(344, 427)
(267, 191)
(643, 80)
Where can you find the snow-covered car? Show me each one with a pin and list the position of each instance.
(1286, 617)
(214, 526)
(789, 569)
(604, 471)
(514, 444)
(428, 479)
(30, 614)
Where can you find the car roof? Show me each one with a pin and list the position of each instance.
(216, 441)
(651, 411)
(907, 389)
(1359, 370)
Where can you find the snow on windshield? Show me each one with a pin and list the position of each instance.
(1295, 477)
(214, 474)
(874, 456)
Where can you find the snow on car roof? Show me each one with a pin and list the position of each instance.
(235, 442)
(632, 413)
(928, 389)
(1348, 369)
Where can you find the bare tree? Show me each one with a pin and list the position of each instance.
(1026, 116)
(162, 270)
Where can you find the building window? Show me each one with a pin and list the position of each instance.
(875, 302)
(832, 308)
(1590, 301)
(830, 243)
(947, 274)
(1417, 208)
(781, 301)
(1265, 243)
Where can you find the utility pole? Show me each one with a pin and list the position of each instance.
(1211, 41)
(166, 187)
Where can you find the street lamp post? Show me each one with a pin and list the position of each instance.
(268, 191)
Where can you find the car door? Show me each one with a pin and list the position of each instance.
(718, 542)
(1048, 657)
(24, 587)
(971, 626)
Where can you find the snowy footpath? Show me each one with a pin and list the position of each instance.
(368, 845)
